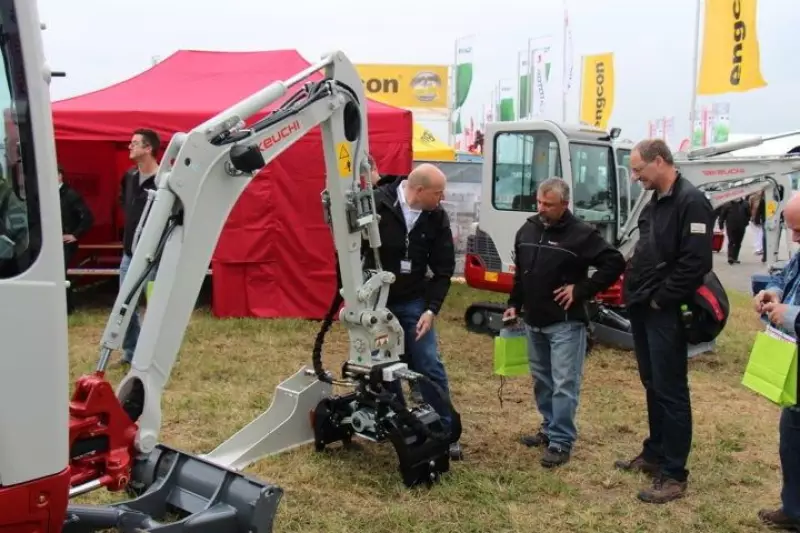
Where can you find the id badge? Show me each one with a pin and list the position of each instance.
(405, 266)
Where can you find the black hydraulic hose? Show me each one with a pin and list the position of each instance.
(316, 354)
(156, 258)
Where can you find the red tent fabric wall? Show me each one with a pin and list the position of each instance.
(275, 254)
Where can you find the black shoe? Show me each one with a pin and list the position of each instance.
(534, 441)
(456, 452)
(416, 395)
(554, 455)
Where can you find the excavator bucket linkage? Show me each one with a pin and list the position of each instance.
(181, 493)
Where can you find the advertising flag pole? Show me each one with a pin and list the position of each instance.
(695, 67)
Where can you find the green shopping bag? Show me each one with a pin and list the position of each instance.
(511, 352)
(148, 291)
(772, 368)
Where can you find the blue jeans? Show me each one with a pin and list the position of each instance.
(423, 356)
(134, 326)
(790, 461)
(556, 354)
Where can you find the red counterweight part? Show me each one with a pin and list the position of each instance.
(101, 435)
(35, 507)
(613, 295)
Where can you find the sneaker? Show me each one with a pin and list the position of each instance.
(778, 519)
(663, 490)
(638, 464)
(534, 441)
(554, 455)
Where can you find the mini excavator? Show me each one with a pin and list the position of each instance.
(595, 163)
(53, 449)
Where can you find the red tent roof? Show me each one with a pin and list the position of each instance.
(258, 268)
(183, 90)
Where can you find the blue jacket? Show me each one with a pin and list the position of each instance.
(786, 284)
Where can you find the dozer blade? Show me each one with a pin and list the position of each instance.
(285, 425)
(181, 493)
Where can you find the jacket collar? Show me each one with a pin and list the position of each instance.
(565, 220)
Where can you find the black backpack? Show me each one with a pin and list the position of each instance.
(706, 315)
(707, 312)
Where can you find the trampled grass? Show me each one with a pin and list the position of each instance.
(228, 370)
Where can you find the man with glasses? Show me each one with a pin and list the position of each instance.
(143, 151)
(671, 258)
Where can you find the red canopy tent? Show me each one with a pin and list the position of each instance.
(275, 254)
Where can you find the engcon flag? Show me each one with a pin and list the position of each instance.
(407, 86)
(597, 86)
(731, 60)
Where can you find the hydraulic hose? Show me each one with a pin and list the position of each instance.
(316, 354)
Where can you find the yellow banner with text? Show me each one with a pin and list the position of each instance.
(597, 86)
(407, 86)
(731, 56)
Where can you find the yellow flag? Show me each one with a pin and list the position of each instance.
(597, 100)
(731, 61)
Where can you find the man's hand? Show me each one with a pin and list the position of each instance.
(763, 298)
(68, 238)
(424, 324)
(563, 296)
(775, 312)
(509, 314)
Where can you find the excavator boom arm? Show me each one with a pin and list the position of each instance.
(725, 180)
(201, 176)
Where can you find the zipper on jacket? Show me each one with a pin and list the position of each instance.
(538, 247)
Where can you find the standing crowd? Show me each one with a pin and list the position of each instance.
(553, 254)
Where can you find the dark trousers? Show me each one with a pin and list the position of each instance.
(423, 356)
(661, 353)
(69, 252)
(735, 237)
(790, 461)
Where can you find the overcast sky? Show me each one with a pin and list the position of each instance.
(100, 42)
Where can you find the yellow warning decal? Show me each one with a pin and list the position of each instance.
(772, 206)
(344, 160)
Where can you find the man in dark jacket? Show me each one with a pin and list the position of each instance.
(143, 150)
(76, 220)
(733, 218)
(415, 237)
(673, 254)
(553, 251)
(780, 301)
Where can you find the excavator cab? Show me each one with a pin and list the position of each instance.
(518, 156)
(170, 490)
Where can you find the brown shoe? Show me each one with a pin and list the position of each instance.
(638, 464)
(663, 490)
(778, 519)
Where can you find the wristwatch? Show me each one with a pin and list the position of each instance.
(429, 312)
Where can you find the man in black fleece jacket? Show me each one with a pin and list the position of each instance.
(76, 221)
(415, 237)
(553, 251)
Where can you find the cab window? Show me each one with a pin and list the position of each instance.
(594, 182)
(629, 190)
(521, 162)
(20, 235)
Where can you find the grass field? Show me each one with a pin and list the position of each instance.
(228, 370)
